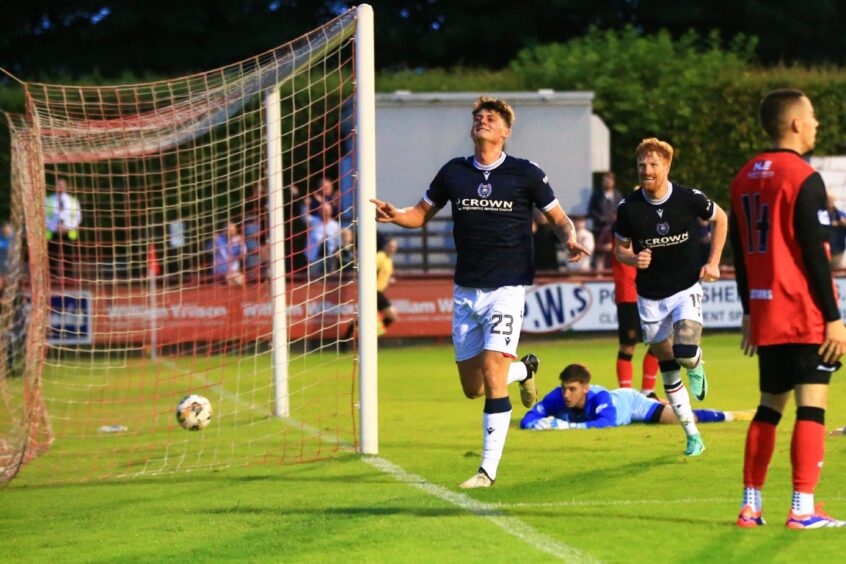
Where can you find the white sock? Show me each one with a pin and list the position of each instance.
(803, 503)
(494, 429)
(752, 496)
(517, 372)
(680, 401)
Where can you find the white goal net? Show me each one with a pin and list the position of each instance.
(189, 236)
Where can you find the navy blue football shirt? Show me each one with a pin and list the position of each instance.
(669, 227)
(492, 212)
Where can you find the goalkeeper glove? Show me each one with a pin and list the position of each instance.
(550, 423)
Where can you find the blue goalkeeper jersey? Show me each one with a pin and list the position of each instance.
(602, 409)
(599, 410)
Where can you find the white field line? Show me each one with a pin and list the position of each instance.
(511, 525)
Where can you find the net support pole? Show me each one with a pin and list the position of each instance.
(365, 103)
(273, 109)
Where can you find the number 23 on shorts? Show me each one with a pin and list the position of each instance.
(502, 324)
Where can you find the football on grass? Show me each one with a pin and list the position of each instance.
(194, 412)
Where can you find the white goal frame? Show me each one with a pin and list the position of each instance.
(168, 149)
(365, 180)
(365, 99)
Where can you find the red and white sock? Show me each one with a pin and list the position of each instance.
(807, 449)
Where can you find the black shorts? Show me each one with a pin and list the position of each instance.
(782, 367)
(629, 331)
(382, 303)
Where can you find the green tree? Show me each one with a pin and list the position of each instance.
(79, 37)
(651, 86)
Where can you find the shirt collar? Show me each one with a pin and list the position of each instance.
(662, 200)
(491, 166)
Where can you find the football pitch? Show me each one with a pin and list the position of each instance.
(615, 495)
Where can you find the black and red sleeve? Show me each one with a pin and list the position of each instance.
(811, 236)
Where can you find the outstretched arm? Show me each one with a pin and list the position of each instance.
(410, 218)
(566, 233)
(534, 416)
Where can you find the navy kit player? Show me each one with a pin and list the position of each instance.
(656, 230)
(492, 196)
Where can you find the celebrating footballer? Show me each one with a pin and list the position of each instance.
(656, 232)
(492, 196)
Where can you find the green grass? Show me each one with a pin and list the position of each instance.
(615, 495)
(141, 396)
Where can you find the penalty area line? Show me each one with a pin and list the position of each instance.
(510, 525)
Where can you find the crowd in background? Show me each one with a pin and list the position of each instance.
(318, 238)
(318, 242)
(321, 240)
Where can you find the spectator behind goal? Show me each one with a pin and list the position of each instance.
(228, 249)
(63, 216)
(324, 242)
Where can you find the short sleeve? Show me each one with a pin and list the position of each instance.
(438, 194)
(622, 225)
(703, 206)
(540, 192)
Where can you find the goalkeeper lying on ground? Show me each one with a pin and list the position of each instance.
(578, 405)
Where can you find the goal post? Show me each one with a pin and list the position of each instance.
(211, 235)
(277, 253)
(366, 177)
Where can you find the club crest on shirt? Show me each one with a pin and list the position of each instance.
(663, 228)
(484, 190)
